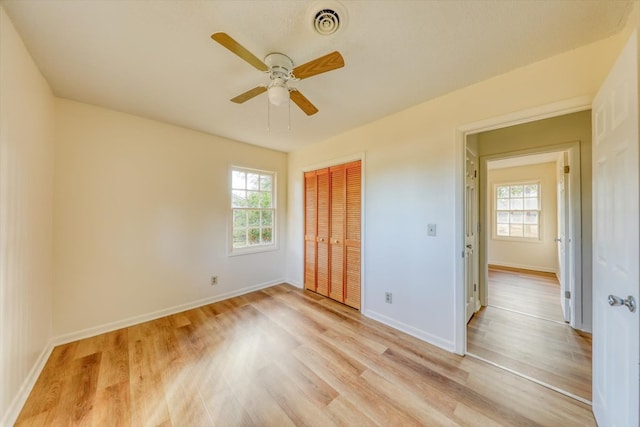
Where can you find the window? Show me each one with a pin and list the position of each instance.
(253, 209)
(517, 210)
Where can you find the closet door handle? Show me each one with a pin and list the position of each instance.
(321, 239)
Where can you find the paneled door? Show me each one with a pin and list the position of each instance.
(616, 240)
(332, 232)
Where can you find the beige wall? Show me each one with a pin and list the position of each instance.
(413, 176)
(141, 213)
(26, 189)
(541, 255)
(540, 134)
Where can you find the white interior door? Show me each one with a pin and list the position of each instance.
(563, 239)
(616, 328)
(471, 237)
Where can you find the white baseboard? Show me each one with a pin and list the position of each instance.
(410, 330)
(522, 266)
(19, 400)
(119, 324)
(294, 283)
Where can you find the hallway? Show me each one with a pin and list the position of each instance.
(522, 329)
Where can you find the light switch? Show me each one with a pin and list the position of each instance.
(431, 229)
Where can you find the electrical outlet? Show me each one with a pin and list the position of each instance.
(214, 280)
(388, 297)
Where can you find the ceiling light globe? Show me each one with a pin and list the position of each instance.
(278, 95)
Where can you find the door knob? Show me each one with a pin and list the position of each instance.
(630, 302)
(557, 239)
(469, 246)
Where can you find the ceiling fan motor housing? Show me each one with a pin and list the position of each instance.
(280, 65)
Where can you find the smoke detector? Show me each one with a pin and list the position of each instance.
(327, 17)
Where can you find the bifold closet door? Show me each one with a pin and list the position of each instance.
(332, 232)
(353, 209)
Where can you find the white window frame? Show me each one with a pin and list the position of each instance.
(260, 247)
(494, 220)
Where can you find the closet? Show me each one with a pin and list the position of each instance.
(332, 255)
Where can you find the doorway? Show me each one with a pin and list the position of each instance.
(538, 286)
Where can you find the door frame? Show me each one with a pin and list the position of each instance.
(568, 106)
(339, 161)
(574, 247)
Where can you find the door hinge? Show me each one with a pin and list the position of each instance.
(475, 173)
(566, 169)
(475, 287)
(567, 294)
(478, 228)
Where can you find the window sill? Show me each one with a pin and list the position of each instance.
(253, 250)
(518, 239)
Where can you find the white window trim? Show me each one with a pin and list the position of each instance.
(494, 219)
(274, 200)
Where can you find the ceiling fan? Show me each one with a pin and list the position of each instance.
(281, 71)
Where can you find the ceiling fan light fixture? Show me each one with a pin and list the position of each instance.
(278, 92)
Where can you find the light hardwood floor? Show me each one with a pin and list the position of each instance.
(280, 357)
(522, 329)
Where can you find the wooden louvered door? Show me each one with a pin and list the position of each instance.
(310, 230)
(353, 209)
(336, 240)
(322, 240)
(332, 232)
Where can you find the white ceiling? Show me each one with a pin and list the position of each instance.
(156, 59)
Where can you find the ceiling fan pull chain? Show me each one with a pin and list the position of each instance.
(289, 113)
(268, 115)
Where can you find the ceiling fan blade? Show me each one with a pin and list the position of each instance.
(330, 61)
(251, 93)
(225, 40)
(302, 102)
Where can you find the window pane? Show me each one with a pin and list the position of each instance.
(253, 199)
(516, 190)
(267, 218)
(254, 218)
(267, 235)
(515, 217)
(531, 217)
(238, 180)
(253, 181)
(503, 192)
(265, 200)
(531, 190)
(266, 183)
(254, 236)
(516, 230)
(531, 231)
(238, 199)
(239, 238)
(253, 209)
(531, 203)
(239, 218)
(516, 204)
(503, 204)
(503, 217)
(503, 230)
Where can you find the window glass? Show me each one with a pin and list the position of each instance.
(253, 209)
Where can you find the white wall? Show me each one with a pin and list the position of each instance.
(541, 255)
(26, 190)
(141, 219)
(411, 179)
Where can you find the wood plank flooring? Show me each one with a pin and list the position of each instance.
(535, 294)
(549, 351)
(281, 357)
